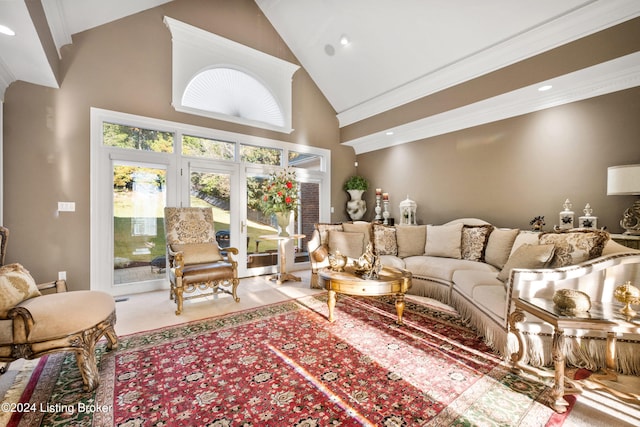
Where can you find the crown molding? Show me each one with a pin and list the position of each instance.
(595, 16)
(57, 24)
(6, 78)
(611, 76)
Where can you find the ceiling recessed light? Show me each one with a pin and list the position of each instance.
(545, 87)
(389, 133)
(344, 40)
(6, 30)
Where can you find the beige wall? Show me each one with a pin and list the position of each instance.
(123, 66)
(510, 171)
(506, 172)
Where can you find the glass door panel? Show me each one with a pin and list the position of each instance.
(261, 254)
(139, 198)
(213, 189)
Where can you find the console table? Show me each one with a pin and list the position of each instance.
(628, 240)
(282, 276)
(602, 316)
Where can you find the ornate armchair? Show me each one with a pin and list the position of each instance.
(41, 319)
(196, 264)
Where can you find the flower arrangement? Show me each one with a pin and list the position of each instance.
(280, 192)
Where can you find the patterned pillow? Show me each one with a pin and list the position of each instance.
(385, 242)
(324, 229)
(474, 241)
(575, 246)
(16, 285)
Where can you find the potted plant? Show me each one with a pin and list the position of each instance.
(355, 186)
(356, 182)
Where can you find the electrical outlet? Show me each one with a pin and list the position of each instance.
(62, 275)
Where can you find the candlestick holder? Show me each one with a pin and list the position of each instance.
(378, 209)
(385, 214)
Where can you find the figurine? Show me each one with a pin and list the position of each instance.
(337, 261)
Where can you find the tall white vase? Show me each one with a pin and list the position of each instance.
(356, 207)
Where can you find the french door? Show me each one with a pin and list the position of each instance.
(140, 165)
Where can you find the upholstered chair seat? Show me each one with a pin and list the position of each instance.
(197, 264)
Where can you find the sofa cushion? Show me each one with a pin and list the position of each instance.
(482, 287)
(16, 285)
(499, 246)
(411, 240)
(198, 253)
(393, 261)
(442, 269)
(82, 309)
(444, 240)
(528, 256)
(323, 231)
(474, 241)
(360, 227)
(525, 237)
(575, 246)
(350, 244)
(384, 240)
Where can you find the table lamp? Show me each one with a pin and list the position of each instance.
(623, 181)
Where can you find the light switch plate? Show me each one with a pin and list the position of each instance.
(66, 206)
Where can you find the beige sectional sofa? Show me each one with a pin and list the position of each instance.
(479, 269)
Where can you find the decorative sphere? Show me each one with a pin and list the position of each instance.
(572, 301)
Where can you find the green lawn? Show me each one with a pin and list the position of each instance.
(134, 248)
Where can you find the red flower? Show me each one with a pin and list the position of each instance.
(280, 193)
(289, 184)
(288, 200)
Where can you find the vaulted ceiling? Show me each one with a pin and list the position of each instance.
(395, 52)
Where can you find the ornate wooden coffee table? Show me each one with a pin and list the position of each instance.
(391, 281)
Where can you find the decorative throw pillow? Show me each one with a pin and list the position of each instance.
(349, 244)
(527, 256)
(444, 240)
(411, 240)
(474, 241)
(499, 246)
(359, 227)
(575, 246)
(198, 253)
(16, 285)
(384, 240)
(324, 229)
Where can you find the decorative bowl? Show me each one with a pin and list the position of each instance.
(571, 301)
(337, 261)
(627, 294)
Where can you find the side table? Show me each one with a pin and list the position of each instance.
(602, 316)
(282, 276)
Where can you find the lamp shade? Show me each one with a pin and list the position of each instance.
(623, 180)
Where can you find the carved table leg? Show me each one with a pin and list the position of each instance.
(400, 308)
(331, 303)
(558, 403)
(516, 358)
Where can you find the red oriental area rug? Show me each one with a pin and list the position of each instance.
(285, 365)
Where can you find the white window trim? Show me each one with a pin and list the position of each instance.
(196, 50)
